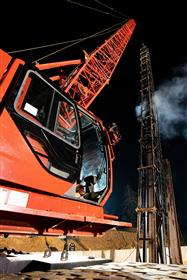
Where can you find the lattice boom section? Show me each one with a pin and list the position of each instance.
(99, 66)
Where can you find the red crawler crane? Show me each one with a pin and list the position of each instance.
(50, 143)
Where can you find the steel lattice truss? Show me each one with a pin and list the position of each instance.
(88, 80)
(151, 220)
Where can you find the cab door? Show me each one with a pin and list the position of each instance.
(49, 123)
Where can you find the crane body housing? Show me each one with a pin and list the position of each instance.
(51, 148)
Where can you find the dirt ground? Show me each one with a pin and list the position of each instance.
(112, 239)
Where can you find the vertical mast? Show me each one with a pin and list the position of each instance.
(150, 210)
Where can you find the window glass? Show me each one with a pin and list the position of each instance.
(38, 99)
(66, 125)
(40, 102)
(94, 161)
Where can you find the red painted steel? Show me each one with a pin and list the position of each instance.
(88, 81)
(57, 64)
(43, 214)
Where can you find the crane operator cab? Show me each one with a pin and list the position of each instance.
(62, 143)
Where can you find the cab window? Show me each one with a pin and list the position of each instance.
(43, 104)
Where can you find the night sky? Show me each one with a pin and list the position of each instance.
(161, 28)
